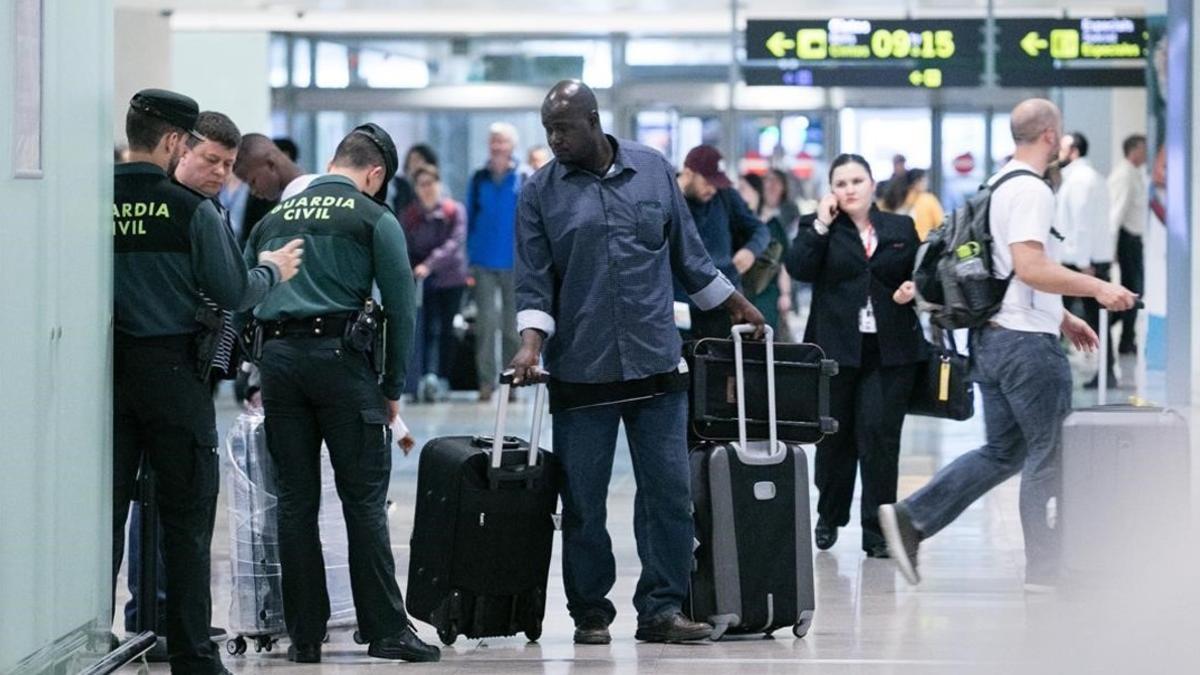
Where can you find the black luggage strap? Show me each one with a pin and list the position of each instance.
(329, 325)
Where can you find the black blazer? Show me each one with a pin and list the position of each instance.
(837, 266)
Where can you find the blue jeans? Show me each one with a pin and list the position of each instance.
(585, 441)
(1026, 384)
(133, 573)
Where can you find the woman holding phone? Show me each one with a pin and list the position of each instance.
(860, 260)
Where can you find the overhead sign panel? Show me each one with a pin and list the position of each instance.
(929, 53)
(1106, 52)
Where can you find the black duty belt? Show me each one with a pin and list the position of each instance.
(329, 325)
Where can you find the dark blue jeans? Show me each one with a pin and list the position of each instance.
(433, 337)
(1026, 384)
(585, 441)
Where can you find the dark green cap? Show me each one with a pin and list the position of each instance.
(387, 148)
(175, 109)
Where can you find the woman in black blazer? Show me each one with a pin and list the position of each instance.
(860, 262)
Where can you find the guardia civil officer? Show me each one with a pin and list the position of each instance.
(331, 372)
(170, 248)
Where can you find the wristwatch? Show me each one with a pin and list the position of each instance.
(821, 228)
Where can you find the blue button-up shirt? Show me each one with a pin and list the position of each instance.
(595, 263)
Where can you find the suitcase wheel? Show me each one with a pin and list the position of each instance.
(533, 634)
(448, 635)
(264, 644)
(801, 628)
(236, 646)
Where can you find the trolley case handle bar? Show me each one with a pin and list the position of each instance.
(739, 371)
(539, 400)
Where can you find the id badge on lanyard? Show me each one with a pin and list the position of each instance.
(866, 318)
(866, 315)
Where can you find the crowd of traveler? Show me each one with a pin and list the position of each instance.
(574, 261)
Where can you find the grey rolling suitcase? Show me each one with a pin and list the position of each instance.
(1126, 473)
(753, 571)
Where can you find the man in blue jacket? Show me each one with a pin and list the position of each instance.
(491, 210)
(723, 219)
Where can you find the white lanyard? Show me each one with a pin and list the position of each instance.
(866, 315)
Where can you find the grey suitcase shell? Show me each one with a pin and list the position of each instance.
(1126, 474)
(753, 571)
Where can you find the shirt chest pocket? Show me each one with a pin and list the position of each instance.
(651, 224)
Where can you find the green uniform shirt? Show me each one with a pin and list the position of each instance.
(349, 241)
(170, 245)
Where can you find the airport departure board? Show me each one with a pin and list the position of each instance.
(1100, 52)
(915, 53)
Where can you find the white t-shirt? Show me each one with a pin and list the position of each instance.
(1023, 209)
(1083, 216)
(298, 185)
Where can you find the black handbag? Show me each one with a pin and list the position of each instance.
(943, 386)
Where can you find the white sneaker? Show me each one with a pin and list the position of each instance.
(903, 540)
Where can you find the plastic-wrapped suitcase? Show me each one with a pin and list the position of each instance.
(754, 565)
(256, 607)
(1126, 475)
(802, 407)
(483, 531)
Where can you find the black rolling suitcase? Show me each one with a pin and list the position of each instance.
(754, 569)
(801, 372)
(483, 531)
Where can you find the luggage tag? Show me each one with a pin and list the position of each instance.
(866, 318)
(944, 381)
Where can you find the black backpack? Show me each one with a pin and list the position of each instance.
(954, 275)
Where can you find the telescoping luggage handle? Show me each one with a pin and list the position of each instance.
(539, 400)
(1102, 375)
(739, 373)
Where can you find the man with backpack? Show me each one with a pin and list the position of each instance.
(1017, 358)
(733, 236)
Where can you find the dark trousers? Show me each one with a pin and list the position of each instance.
(1091, 312)
(433, 343)
(163, 412)
(1131, 259)
(869, 403)
(584, 441)
(313, 390)
(133, 574)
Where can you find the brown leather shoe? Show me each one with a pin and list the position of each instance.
(673, 628)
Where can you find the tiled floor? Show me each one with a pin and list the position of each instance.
(969, 615)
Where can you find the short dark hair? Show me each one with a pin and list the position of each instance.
(849, 158)
(288, 146)
(1079, 142)
(358, 151)
(216, 127)
(1130, 144)
(424, 151)
(145, 131)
